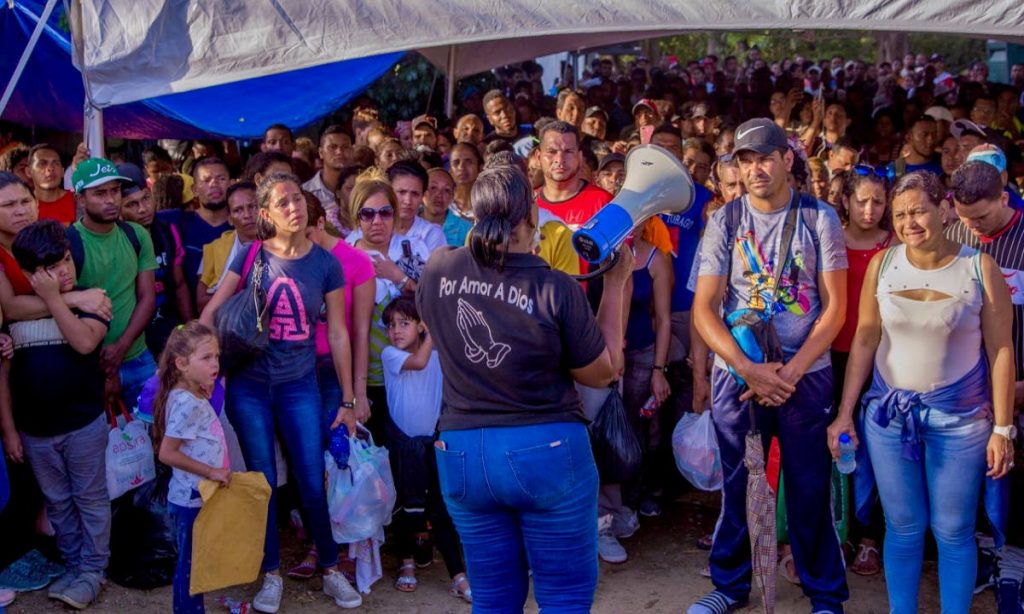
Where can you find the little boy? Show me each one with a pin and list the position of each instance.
(413, 380)
(51, 394)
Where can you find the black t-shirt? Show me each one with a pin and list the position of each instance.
(195, 233)
(507, 340)
(54, 389)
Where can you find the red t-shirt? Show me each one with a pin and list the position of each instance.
(9, 267)
(858, 260)
(575, 211)
(62, 210)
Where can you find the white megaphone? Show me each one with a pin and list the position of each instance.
(656, 182)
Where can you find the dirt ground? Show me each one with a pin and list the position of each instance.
(662, 575)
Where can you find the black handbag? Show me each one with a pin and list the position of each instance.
(617, 450)
(243, 321)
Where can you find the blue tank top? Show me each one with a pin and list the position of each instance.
(640, 326)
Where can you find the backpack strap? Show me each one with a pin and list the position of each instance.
(133, 237)
(899, 167)
(250, 258)
(809, 214)
(886, 259)
(733, 213)
(77, 249)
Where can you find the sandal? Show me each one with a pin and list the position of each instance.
(465, 594)
(306, 568)
(406, 583)
(787, 571)
(867, 562)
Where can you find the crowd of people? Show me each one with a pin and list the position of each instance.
(417, 280)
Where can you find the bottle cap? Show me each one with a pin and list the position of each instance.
(844, 438)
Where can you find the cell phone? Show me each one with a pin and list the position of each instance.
(407, 249)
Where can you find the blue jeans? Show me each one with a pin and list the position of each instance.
(184, 518)
(257, 408)
(71, 472)
(801, 425)
(940, 492)
(330, 392)
(134, 374)
(524, 498)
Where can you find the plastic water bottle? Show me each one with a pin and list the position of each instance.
(847, 461)
(649, 408)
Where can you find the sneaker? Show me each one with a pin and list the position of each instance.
(1008, 597)
(987, 563)
(60, 584)
(268, 600)
(625, 525)
(715, 603)
(82, 591)
(609, 548)
(650, 508)
(338, 588)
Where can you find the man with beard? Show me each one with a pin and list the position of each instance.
(118, 257)
(807, 298)
(173, 303)
(47, 172)
(564, 194)
(208, 222)
(335, 154)
(243, 213)
(469, 129)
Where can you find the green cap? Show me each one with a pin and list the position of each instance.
(93, 172)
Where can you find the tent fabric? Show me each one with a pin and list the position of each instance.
(50, 92)
(167, 46)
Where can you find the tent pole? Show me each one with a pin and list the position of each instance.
(449, 95)
(20, 68)
(92, 130)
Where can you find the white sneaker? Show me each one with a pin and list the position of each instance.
(268, 600)
(339, 588)
(609, 548)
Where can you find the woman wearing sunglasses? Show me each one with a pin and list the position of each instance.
(865, 212)
(397, 262)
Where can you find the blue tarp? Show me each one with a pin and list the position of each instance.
(50, 91)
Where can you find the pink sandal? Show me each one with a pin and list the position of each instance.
(306, 568)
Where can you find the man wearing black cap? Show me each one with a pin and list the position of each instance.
(799, 288)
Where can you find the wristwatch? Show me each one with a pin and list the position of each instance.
(1010, 431)
(349, 404)
(401, 284)
(662, 368)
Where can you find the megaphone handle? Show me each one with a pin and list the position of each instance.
(602, 270)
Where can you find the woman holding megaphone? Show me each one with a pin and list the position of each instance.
(514, 458)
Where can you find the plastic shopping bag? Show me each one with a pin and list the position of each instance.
(616, 448)
(360, 493)
(696, 450)
(130, 460)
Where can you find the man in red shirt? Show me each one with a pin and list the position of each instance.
(564, 194)
(47, 172)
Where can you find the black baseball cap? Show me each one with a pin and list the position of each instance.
(761, 135)
(610, 159)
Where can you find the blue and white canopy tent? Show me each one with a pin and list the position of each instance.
(50, 91)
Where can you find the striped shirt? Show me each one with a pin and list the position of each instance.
(1007, 248)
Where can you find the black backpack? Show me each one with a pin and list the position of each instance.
(78, 250)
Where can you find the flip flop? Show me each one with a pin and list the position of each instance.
(406, 584)
(784, 571)
(864, 564)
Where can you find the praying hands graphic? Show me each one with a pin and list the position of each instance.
(479, 340)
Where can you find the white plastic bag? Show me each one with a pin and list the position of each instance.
(696, 450)
(361, 496)
(129, 457)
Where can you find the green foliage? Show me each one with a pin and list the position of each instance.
(414, 86)
(819, 44)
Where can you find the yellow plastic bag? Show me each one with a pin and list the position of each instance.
(227, 537)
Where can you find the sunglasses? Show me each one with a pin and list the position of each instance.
(366, 214)
(888, 173)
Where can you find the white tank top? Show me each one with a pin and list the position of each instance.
(926, 345)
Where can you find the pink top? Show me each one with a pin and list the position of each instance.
(358, 269)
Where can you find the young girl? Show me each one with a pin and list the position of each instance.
(190, 437)
(412, 376)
